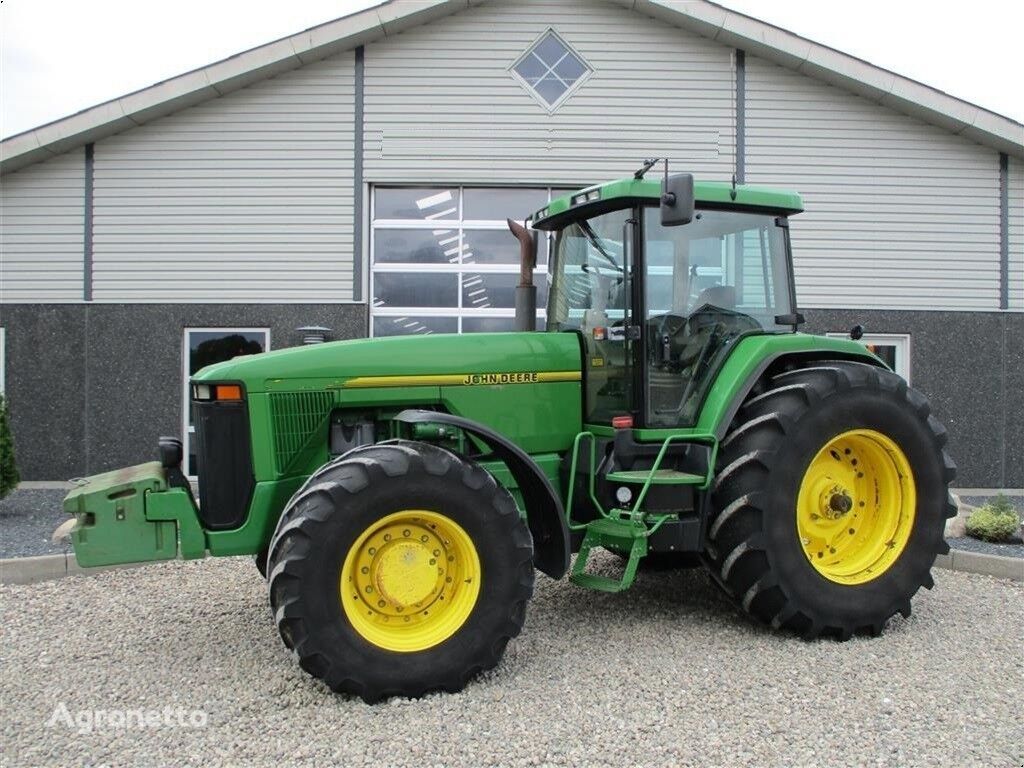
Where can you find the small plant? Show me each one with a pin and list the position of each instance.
(996, 521)
(8, 471)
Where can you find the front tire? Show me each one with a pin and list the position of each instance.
(404, 568)
(830, 501)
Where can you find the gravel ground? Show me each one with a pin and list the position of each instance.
(27, 519)
(666, 674)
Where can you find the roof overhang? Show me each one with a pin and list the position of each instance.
(848, 72)
(220, 78)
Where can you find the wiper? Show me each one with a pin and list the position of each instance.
(592, 237)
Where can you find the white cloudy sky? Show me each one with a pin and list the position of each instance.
(60, 56)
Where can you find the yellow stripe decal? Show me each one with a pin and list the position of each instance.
(463, 379)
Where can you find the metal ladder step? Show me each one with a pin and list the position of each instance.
(623, 535)
(659, 477)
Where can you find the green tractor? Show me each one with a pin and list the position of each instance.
(399, 493)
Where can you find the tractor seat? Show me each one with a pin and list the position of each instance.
(723, 296)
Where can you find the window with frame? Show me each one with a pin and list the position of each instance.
(551, 70)
(205, 346)
(443, 261)
(892, 348)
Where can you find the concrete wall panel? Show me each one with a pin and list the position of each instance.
(109, 382)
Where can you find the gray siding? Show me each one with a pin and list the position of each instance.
(899, 213)
(41, 231)
(245, 198)
(441, 104)
(1016, 273)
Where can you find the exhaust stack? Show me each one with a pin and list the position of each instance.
(526, 291)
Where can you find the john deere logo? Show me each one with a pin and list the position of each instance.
(500, 378)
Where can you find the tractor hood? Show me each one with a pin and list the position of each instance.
(499, 357)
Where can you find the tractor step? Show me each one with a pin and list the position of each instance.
(658, 477)
(622, 535)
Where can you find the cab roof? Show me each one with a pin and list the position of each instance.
(612, 195)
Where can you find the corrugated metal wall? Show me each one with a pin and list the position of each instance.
(441, 104)
(41, 231)
(245, 198)
(1016, 199)
(900, 214)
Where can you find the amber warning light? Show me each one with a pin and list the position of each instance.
(220, 392)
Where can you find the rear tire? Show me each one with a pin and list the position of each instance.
(763, 549)
(353, 535)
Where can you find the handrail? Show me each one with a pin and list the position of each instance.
(635, 512)
(571, 491)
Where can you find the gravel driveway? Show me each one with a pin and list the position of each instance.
(666, 674)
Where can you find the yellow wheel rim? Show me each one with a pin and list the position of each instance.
(410, 581)
(856, 505)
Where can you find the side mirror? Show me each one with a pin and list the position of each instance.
(677, 200)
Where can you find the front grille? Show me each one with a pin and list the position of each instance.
(298, 416)
(224, 454)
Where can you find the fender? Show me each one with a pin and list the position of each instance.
(544, 513)
(804, 358)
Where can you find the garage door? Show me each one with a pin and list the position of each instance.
(443, 260)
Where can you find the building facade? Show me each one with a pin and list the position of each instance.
(357, 177)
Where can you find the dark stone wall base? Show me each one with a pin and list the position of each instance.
(92, 386)
(970, 365)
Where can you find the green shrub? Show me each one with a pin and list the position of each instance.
(996, 521)
(8, 471)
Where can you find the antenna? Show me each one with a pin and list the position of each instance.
(732, 192)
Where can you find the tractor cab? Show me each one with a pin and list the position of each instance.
(659, 295)
(660, 282)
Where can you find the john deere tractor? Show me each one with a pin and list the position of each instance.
(399, 493)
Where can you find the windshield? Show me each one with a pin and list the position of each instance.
(587, 286)
(727, 259)
(590, 293)
(706, 284)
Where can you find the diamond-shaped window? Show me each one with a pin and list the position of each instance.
(551, 70)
